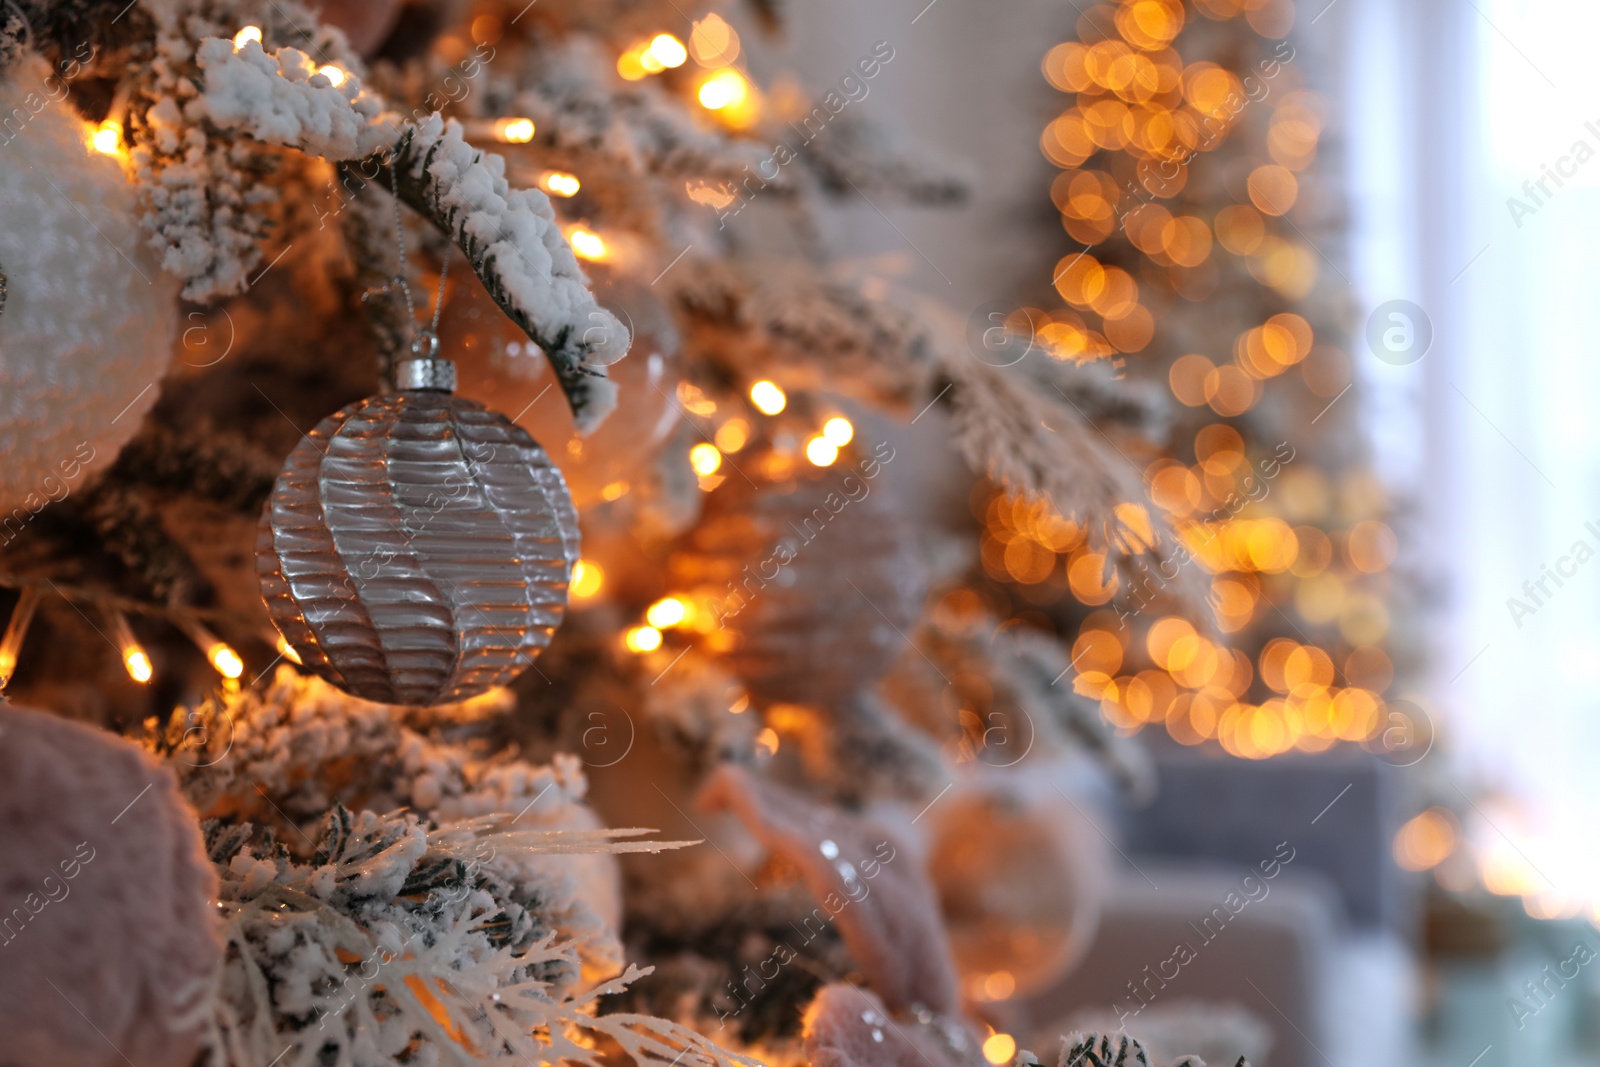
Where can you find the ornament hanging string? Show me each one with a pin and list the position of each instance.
(424, 341)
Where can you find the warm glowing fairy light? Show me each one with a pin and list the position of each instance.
(767, 397)
(704, 458)
(642, 639)
(838, 432)
(666, 613)
(667, 50)
(767, 740)
(16, 633)
(630, 65)
(336, 76)
(713, 42)
(137, 660)
(587, 578)
(218, 652)
(225, 660)
(134, 657)
(249, 33)
(999, 986)
(559, 183)
(107, 137)
(1427, 840)
(732, 435)
(587, 245)
(726, 88)
(286, 650)
(514, 130)
(821, 452)
(999, 1048)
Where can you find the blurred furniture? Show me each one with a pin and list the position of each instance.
(1339, 810)
(1275, 957)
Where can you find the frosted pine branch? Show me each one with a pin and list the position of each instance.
(400, 944)
(1110, 1050)
(808, 331)
(517, 249)
(510, 236)
(633, 128)
(861, 158)
(280, 99)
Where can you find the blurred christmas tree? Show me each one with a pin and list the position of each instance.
(1203, 261)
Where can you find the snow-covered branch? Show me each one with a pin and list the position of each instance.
(510, 236)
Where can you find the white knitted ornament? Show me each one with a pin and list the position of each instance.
(89, 321)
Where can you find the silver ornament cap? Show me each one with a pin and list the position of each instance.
(424, 369)
(435, 375)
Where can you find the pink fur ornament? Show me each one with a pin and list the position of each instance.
(108, 944)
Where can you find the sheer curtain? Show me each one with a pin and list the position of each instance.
(1473, 153)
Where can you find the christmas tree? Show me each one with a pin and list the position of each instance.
(440, 448)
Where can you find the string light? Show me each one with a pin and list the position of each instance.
(137, 660)
(287, 651)
(16, 632)
(514, 130)
(705, 459)
(838, 432)
(218, 652)
(642, 639)
(724, 89)
(134, 658)
(559, 183)
(587, 245)
(1427, 840)
(768, 398)
(246, 35)
(999, 986)
(694, 400)
(713, 42)
(732, 435)
(630, 65)
(821, 452)
(667, 50)
(999, 1048)
(587, 578)
(666, 613)
(107, 137)
(334, 75)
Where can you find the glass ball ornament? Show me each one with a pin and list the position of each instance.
(1020, 882)
(417, 548)
(816, 579)
(498, 364)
